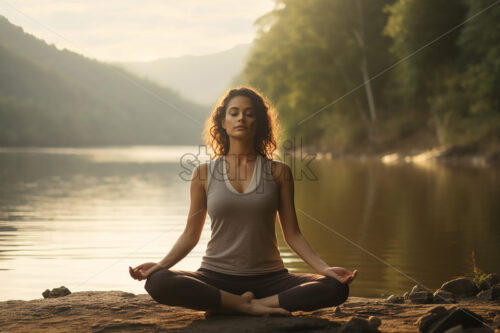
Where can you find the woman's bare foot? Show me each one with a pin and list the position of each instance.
(209, 313)
(255, 307)
(251, 306)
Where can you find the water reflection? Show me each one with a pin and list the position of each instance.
(79, 217)
(423, 221)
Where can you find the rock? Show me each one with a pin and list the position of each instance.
(59, 292)
(461, 329)
(484, 285)
(443, 320)
(496, 321)
(455, 329)
(462, 287)
(374, 322)
(60, 308)
(337, 310)
(357, 325)
(395, 299)
(124, 326)
(485, 295)
(56, 292)
(489, 294)
(127, 295)
(443, 296)
(244, 323)
(320, 312)
(425, 321)
(417, 288)
(406, 295)
(437, 309)
(421, 297)
(492, 279)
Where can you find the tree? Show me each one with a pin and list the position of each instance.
(308, 54)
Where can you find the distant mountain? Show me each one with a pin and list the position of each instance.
(51, 97)
(200, 78)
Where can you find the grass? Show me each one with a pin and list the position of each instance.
(478, 276)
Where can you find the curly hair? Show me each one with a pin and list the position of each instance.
(267, 124)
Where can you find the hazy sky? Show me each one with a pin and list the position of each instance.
(138, 30)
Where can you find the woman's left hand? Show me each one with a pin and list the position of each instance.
(340, 273)
(142, 272)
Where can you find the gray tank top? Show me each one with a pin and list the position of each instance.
(243, 239)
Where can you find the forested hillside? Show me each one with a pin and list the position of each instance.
(373, 74)
(51, 97)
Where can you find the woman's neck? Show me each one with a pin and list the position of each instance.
(241, 151)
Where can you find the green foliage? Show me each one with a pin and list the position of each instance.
(400, 125)
(468, 108)
(342, 132)
(414, 25)
(308, 54)
(478, 276)
(480, 42)
(444, 77)
(457, 120)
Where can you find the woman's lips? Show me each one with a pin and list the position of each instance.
(240, 127)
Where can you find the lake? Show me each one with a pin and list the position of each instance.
(79, 217)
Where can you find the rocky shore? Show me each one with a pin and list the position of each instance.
(458, 306)
(474, 154)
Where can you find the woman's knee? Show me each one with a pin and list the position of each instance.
(339, 292)
(344, 292)
(158, 282)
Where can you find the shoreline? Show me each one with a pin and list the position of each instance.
(472, 155)
(479, 155)
(112, 311)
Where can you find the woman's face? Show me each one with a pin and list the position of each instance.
(240, 120)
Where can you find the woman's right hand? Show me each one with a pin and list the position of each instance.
(142, 272)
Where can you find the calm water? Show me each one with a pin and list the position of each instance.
(80, 217)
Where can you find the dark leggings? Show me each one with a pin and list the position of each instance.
(199, 290)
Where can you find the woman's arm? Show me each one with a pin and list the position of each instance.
(192, 232)
(288, 220)
(196, 219)
(291, 231)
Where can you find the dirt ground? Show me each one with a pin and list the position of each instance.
(117, 311)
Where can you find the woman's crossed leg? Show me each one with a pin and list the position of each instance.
(273, 293)
(201, 291)
(302, 291)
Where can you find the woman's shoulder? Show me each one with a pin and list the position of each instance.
(279, 170)
(278, 164)
(209, 163)
(201, 174)
(206, 170)
(205, 167)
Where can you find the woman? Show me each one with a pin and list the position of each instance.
(242, 270)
